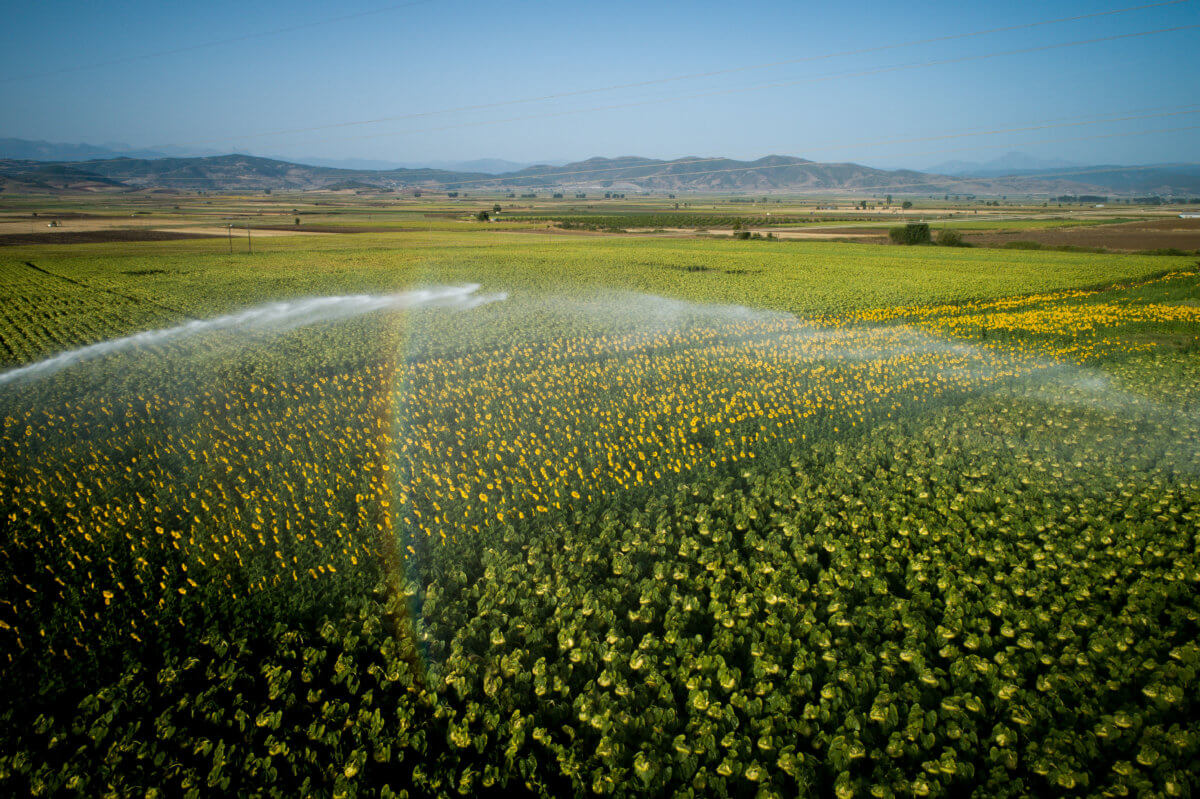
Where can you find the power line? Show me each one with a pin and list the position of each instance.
(933, 180)
(877, 142)
(772, 85)
(945, 180)
(232, 40)
(1073, 138)
(1045, 124)
(941, 182)
(696, 75)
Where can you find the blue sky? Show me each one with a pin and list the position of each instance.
(445, 54)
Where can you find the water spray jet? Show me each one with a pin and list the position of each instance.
(272, 317)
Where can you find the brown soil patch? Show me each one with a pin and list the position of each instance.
(82, 223)
(855, 234)
(325, 229)
(255, 232)
(1181, 234)
(1174, 224)
(46, 216)
(557, 231)
(98, 236)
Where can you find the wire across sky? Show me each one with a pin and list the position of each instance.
(1067, 56)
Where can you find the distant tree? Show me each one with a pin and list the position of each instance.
(951, 238)
(889, 199)
(912, 233)
(906, 204)
(297, 220)
(496, 208)
(482, 216)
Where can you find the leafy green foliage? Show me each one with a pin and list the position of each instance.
(873, 616)
(930, 569)
(951, 238)
(912, 233)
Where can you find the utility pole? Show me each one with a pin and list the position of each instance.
(249, 247)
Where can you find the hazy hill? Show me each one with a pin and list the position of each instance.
(1011, 163)
(774, 173)
(31, 150)
(36, 176)
(28, 150)
(248, 172)
(1153, 179)
(491, 166)
(771, 173)
(37, 150)
(1163, 180)
(706, 174)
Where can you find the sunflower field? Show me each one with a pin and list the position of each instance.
(580, 543)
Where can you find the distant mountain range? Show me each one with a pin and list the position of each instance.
(1154, 179)
(772, 173)
(491, 166)
(29, 150)
(1012, 163)
(222, 173)
(627, 174)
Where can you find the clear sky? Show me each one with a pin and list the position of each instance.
(149, 73)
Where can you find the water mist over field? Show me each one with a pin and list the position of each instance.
(614, 327)
(771, 334)
(272, 317)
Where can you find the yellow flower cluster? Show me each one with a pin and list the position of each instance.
(144, 500)
(121, 506)
(500, 437)
(959, 309)
(1075, 318)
